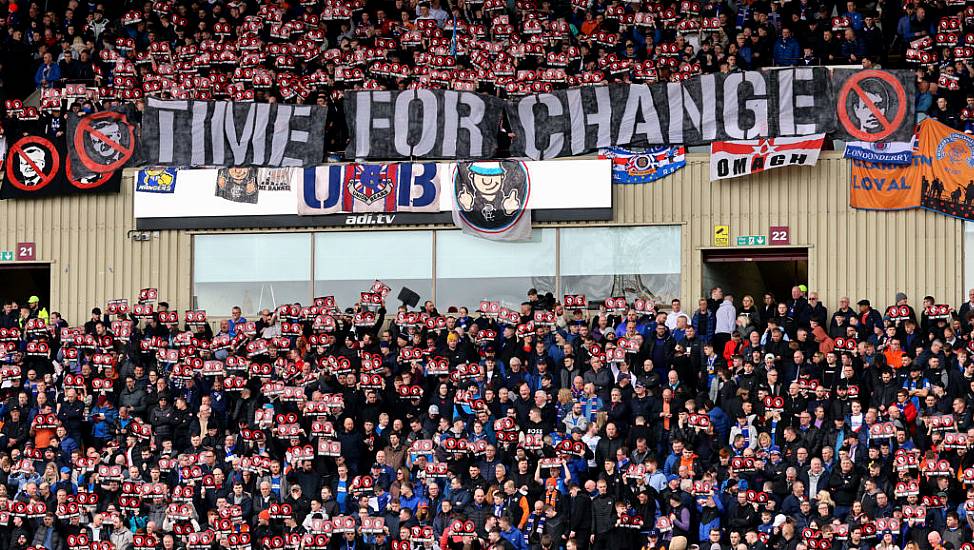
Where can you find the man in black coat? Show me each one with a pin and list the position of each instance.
(580, 515)
(603, 516)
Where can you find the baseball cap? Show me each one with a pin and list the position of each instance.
(434, 409)
(33, 300)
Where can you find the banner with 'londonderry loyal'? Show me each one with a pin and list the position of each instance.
(941, 177)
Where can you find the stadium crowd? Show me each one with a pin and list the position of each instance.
(313, 50)
(737, 424)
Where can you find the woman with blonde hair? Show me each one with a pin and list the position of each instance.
(50, 474)
(564, 404)
(887, 542)
(824, 496)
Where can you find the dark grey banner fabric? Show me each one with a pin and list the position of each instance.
(702, 109)
(103, 142)
(224, 133)
(874, 105)
(429, 124)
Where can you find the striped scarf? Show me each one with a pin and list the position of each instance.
(535, 525)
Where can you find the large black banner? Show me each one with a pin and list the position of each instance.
(427, 124)
(874, 105)
(103, 142)
(37, 166)
(706, 108)
(224, 133)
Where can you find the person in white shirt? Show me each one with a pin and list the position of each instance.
(673, 314)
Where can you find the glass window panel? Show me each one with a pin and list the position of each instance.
(346, 264)
(469, 269)
(252, 271)
(601, 262)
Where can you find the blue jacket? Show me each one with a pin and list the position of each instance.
(47, 73)
(786, 51)
(104, 428)
(705, 325)
(515, 537)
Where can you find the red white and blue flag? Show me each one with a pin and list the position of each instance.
(732, 159)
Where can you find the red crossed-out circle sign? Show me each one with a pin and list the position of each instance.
(18, 153)
(87, 130)
(97, 180)
(855, 85)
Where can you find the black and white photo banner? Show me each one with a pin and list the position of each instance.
(422, 124)
(702, 109)
(224, 133)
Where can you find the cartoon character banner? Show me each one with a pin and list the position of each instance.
(939, 178)
(396, 187)
(645, 165)
(156, 180)
(491, 200)
(36, 166)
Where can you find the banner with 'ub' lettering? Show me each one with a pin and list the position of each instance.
(396, 187)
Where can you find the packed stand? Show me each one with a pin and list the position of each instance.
(305, 51)
(771, 424)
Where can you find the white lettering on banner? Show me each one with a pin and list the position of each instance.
(730, 159)
(732, 103)
(201, 133)
(366, 121)
(422, 123)
(167, 127)
(283, 134)
(427, 138)
(556, 140)
(702, 109)
(454, 122)
(639, 106)
(370, 219)
(601, 118)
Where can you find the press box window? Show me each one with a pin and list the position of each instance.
(253, 271)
